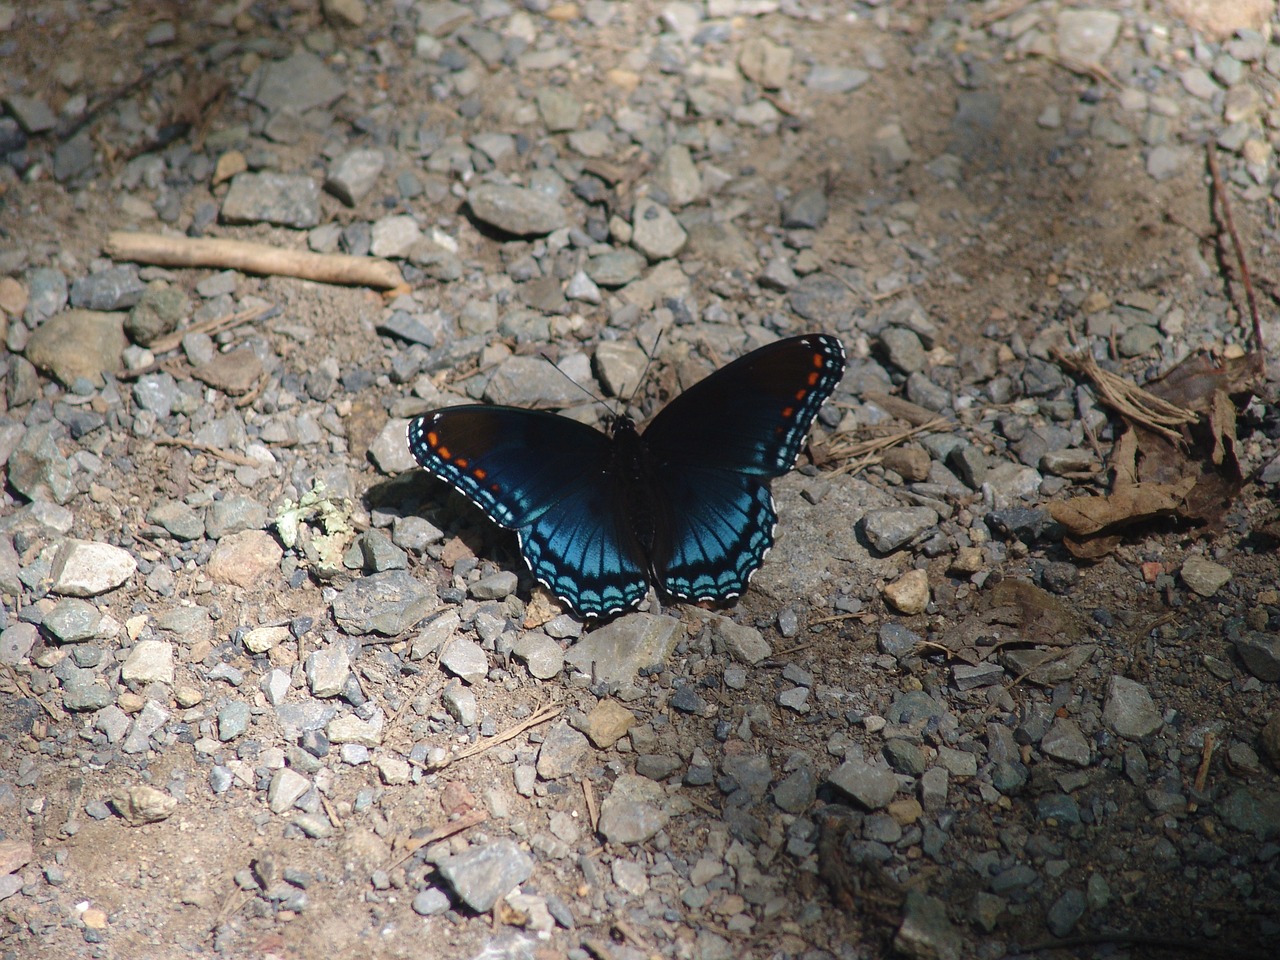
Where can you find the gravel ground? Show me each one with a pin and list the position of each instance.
(1007, 685)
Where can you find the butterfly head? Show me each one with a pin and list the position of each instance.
(619, 425)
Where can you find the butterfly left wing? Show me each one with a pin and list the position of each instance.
(722, 527)
(753, 415)
(715, 446)
(544, 476)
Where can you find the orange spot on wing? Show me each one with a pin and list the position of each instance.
(443, 453)
(461, 463)
(433, 438)
(479, 473)
(787, 412)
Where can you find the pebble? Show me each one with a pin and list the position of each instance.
(519, 211)
(1129, 709)
(560, 110)
(540, 654)
(78, 343)
(353, 175)
(909, 594)
(1204, 576)
(116, 288)
(617, 651)
(284, 200)
(83, 691)
(233, 720)
(394, 236)
(655, 231)
(300, 83)
(485, 873)
(72, 620)
(16, 641)
(1260, 653)
(234, 373)
(629, 822)
(889, 530)
(607, 723)
(560, 753)
(677, 177)
(286, 789)
(823, 78)
(465, 659)
(461, 703)
(244, 558)
(1087, 36)
(141, 804)
(1065, 741)
(926, 931)
(150, 661)
(84, 568)
(873, 787)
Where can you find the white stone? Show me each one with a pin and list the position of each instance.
(287, 786)
(150, 661)
(83, 568)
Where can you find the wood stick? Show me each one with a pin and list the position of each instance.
(174, 251)
(1224, 201)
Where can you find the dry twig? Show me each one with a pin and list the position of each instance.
(546, 713)
(465, 821)
(593, 810)
(1224, 202)
(1130, 400)
(230, 456)
(26, 691)
(212, 326)
(173, 251)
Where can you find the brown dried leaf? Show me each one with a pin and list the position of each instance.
(1013, 612)
(1085, 516)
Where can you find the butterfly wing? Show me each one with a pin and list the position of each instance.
(714, 448)
(721, 528)
(547, 478)
(582, 552)
(753, 415)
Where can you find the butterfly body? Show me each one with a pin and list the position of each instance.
(683, 505)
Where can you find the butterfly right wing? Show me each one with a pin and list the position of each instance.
(544, 476)
(513, 464)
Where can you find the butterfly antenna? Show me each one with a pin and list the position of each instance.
(591, 396)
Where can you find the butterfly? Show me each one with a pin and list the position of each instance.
(683, 506)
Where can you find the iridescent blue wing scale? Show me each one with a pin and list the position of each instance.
(722, 530)
(714, 447)
(581, 551)
(543, 476)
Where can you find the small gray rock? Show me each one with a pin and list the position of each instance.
(560, 752)
(354, 174)
(72, 620)
(516, 210)
(281, 199)
(465, 658)
(485, 874)
(1129, 709)
(233, 720)
(873, 787)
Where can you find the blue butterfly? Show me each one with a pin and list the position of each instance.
(684, 506)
